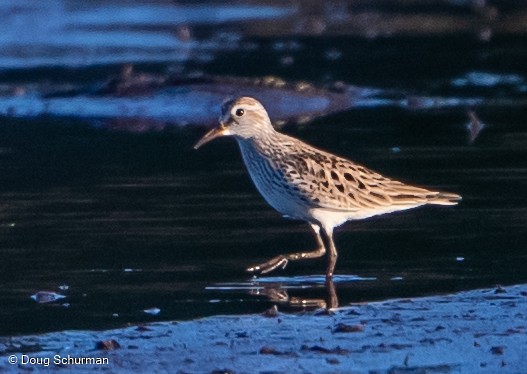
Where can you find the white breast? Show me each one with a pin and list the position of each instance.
(269, 183)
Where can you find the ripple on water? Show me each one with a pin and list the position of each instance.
(295, 282)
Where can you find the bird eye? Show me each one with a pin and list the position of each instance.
(240, 112)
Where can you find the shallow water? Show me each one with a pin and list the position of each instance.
(130, 221)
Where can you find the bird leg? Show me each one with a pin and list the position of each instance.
(283, 260)
(327, 235)
(332, 298)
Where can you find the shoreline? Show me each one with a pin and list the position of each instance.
(478, 331)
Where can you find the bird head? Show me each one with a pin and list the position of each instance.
(243, 118)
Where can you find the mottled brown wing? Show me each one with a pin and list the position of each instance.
(332, 182)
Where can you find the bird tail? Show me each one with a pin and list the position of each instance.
(445, 198)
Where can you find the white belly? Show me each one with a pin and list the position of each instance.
(330, 219)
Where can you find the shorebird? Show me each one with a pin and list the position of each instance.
(306, 183)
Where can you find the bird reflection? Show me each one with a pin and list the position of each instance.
(277, 293)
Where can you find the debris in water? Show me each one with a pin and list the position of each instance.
(43, 297)
(333, 54)
(64, 287)
(152, 311)
(132, 83)
(287, 60)
(474, 127)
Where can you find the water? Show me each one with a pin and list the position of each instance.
(137, 220)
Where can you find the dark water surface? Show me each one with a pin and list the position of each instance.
(132, 221)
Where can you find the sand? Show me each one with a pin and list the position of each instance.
(479, 331)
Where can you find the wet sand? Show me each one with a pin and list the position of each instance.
(104, 200)
(480, 331)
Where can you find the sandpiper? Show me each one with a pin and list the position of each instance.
(306, 183)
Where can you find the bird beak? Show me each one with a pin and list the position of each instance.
(221, 130)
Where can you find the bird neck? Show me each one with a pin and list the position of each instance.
(260, 142)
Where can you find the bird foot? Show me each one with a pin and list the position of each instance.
(266, 267)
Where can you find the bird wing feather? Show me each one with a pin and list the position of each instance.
(332, 182)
